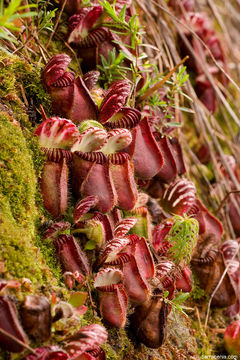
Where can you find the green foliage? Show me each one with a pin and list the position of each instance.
(166, 103)
(175, 87)
(111, 68)
(121, 26)
(41, 19)
(183, 237)
(20, 165)
(94, 231)
(49, 254)
(15, 71)
(78, 298)
(17, 207)
(155, 101)
(177, 301)
(17, 177)
(45, 19)
(181, 77)
(197, 292)
(9, 15)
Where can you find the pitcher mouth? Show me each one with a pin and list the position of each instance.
(98, 157)
(57, 155)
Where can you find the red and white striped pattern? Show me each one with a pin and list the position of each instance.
(163, 268)
(113, 247)
(94, 38)
(88, 338)
(121, 258)
(99, 157)
(91, 139)
(78, 276)
(124, 226)
(94, 334)
(229, 248)
(56, 132)
(83, 207)
(179, 197)
(114, 100)
(55, 229)
(119, 158)
(117, 140)
(55, 69)
(66, 80)
(81, 25)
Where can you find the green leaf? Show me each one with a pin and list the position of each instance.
(17, 16)
(90, 245)
(104, 61)
(182, 108)
(132, 20)
(85, 3)
(128, 56)
(142, 56)
(122, 13)
(110, 10)
(27, 6)
(5, 36)
(180, 298)
(186, 96)
(78, 298)
(12, 7)
(119, 59)
(173, 124)
(165, 294)
(177, 306)
(111, 68)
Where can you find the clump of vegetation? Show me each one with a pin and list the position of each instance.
(17, 207)
(10, 14)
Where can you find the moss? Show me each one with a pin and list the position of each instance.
(17, 206)
(217, 320)
(21, 163)
(49, 254)
(15, 72)
(121, 345)
(17, 176)
(204, 347)
(197, 292)
(21, 258)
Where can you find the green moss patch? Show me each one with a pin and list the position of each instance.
(17, 176)
(16, 72)
(17, 206)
